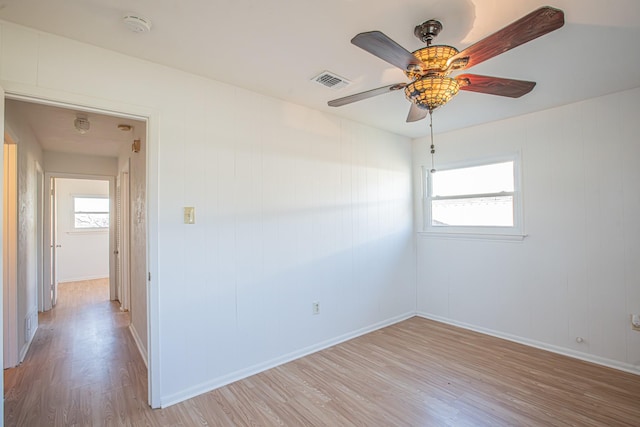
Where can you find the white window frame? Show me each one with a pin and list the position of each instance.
(73, 213)
(516, 232)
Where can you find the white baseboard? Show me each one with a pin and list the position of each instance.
(33, 315)
(255, 369)
(25, 347)
(626, 367)
(138, 341)
(82, 278)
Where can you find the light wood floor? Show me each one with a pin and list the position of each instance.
(83, 369)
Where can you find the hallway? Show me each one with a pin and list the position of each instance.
(82, 364)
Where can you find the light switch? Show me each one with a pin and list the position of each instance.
(189, 215)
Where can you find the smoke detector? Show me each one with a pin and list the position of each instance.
(137, 23)
(81, 123)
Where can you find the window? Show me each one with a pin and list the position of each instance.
(90, 212)
(479, 198)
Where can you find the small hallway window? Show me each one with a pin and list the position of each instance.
(90, 212)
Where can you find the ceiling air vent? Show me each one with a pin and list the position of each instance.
(331, 80)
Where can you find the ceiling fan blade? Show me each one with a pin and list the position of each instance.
(364, 95)
(378, 44)
(494, 85)
(529, 27)
(416, 113)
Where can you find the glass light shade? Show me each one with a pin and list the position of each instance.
(434, 59)
(431, 92)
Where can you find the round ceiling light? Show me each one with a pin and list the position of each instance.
(430, 92)
(136, 23)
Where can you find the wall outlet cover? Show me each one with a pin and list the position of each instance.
(635, 322)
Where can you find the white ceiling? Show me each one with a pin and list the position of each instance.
(276, 46)
(53, 127)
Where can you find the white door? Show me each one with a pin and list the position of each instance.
(54, 245)
(123, 231)
(116, 252)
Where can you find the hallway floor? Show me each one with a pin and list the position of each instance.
(83, 367)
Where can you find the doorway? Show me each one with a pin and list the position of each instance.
(80, 230)
(89, 159)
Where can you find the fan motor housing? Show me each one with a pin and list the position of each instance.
(428, 30)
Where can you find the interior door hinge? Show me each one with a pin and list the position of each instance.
(149, 276)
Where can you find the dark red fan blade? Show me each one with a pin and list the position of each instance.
(378, 44)
(367, 94)
(494, 85)
(416, 113)
(529, 27)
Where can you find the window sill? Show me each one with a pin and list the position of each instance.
(89, 231)
(471, 236)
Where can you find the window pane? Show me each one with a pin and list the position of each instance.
(473, 211)
(91, 220)
(91, 204)
(484, 179)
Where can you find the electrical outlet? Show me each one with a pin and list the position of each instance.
(635, 322)
(315, 307)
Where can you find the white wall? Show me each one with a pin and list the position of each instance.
(292, 206)
(577, 273)
(80, 164)
(29, 152)
(84, 254)
(135, 165)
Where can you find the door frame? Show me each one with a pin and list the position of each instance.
(39, 273)
(124, 236)
(50, 264)
(11, 348)
(29, 93)
(49, 287)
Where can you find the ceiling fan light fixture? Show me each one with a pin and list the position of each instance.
(435, 59)
(431, 92)
(429, 68)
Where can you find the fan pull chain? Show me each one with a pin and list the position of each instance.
(433, 147)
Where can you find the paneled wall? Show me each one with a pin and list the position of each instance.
(576, 274)
(292, 206)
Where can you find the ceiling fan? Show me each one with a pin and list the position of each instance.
(429, 68)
